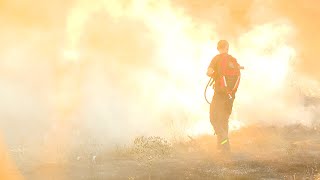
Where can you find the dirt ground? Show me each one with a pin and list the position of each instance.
(291, 152)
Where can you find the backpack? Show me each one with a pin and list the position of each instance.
(228, 76)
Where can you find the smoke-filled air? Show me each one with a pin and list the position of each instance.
(88, 83)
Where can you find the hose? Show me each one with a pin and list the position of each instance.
(210, 82)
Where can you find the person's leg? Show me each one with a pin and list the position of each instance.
(225, 114)
(216, 109)
(224, 141)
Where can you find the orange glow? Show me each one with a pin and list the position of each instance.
(8, 169)
(103, 72)
(184, 49)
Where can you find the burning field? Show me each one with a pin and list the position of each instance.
(113, 89)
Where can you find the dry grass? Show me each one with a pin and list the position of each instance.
(291, 152)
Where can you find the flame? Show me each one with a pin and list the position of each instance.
(184, 49)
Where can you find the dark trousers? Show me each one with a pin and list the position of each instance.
(220, 110)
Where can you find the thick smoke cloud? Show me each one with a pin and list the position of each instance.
(143, 62)
(233, 18)
(302, 15)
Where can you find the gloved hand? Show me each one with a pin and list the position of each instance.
(210, 72)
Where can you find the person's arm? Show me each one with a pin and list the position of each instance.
(210, 70)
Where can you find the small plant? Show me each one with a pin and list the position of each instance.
(149, 148)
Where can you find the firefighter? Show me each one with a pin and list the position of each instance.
(225, 71)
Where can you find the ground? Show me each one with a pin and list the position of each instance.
(291, 152)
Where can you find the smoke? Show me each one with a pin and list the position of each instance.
(272, 40)
(169, 46)
(119, 69)
(302, 14)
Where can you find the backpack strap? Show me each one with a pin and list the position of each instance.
(237, 84)
(227, 72)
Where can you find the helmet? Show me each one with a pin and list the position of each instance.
(222, 44)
